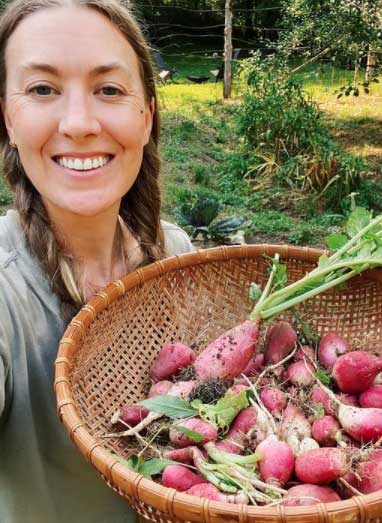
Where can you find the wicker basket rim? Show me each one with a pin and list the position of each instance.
(136, 484)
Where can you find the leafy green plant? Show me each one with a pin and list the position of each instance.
(200, 215)
(282, 127)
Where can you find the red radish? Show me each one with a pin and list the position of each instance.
(370, 473)
(371, 397)
(182, 389)
(310, 495)
(304, 352)
(355, 371)
(298, 373)
(318, 395)
(228, 355)
(161, 388)
(294, 427)
(348, 399)
(172, 358)
(281, 339)
(276, 461)
(238, 387)
(183, 455)
(235, 438)
(362, 424)
(209, 491)
(180, 478)
(321, 466)
(330, 348)
(205, 429)
(255, 365)
(273, 399)
(326, 431)
(133, 414)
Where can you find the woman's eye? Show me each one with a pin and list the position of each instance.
(109, 90)
(41, 90)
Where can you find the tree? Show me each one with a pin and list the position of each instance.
(345, 30)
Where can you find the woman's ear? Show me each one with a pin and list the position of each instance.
(149, 112)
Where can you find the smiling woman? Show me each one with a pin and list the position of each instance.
(79, 132)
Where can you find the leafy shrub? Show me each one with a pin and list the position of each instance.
(281, 126)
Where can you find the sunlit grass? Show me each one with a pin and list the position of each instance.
(188, 97)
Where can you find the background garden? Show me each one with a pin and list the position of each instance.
(300, 139)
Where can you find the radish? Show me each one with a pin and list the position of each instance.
(355, 371)
(183, 455)
(321, 466)
(299, 375)
(238, 387)
(276, 460)
(172, 358)
(133, 414)
(236, 436)
(304, 352)
(348, 399)
(273, 399)
(369, 473)
(203, 428)
(161, 388)
(228, 355)
(326, 431)
(362, 424)
(254, 366)
(330, 348)
(307, 494)
(180, 478)
(294, 427)
(182, 389)
(211, 492)
(320, 396)
(371, 397)
(281, 339)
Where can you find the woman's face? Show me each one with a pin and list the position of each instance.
(75, 108)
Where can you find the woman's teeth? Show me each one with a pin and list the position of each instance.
(83, 164)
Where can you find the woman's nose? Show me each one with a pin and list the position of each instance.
(79, 118)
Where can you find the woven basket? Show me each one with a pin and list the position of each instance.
(108, 348)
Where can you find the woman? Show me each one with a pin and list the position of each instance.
(79, 134)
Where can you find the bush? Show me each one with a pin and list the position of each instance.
(290, 145)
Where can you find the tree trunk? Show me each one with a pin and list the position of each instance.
(370, 64)
(227, 50)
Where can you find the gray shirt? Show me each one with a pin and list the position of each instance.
(43, 477)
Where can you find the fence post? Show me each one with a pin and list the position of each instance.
(227, 51)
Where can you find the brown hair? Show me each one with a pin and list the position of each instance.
(140, 206)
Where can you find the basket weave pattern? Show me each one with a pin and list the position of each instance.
(108, 348)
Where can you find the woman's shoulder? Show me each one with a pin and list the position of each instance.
(176, 239)
(11, 236)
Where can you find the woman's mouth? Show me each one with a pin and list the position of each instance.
(83, 164)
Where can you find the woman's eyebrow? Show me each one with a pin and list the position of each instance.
(99, 69)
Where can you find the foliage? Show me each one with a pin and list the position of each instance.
(199, 215)
(347, 32)
(348, 29)
(290, 144)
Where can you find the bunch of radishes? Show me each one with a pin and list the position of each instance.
(297, 443)
(299, 424)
